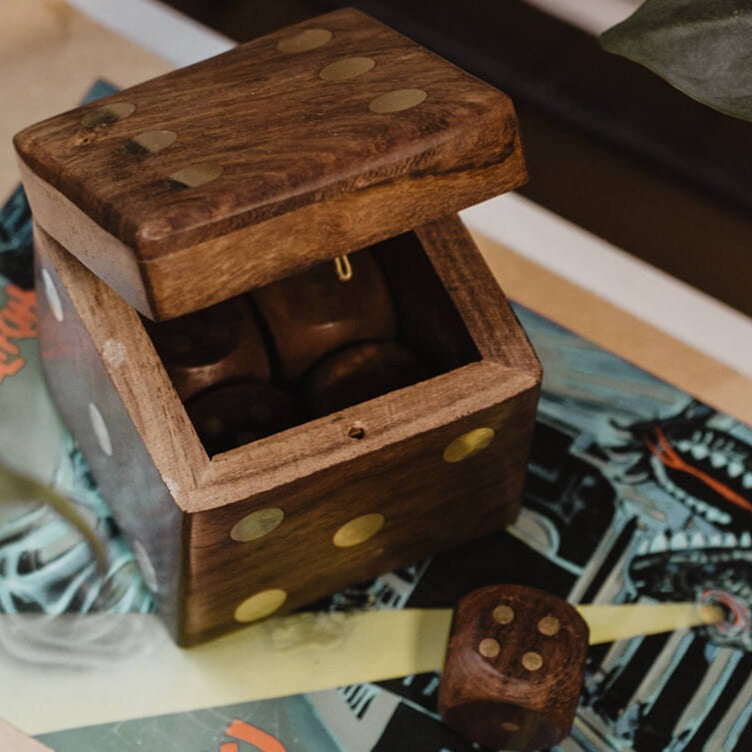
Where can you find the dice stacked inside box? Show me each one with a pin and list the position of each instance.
(312, 344)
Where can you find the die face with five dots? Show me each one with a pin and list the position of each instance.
(323, 413)
(514, 667)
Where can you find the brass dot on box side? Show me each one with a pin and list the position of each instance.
(503, 614)
(108, 113)
(532, 661)
(489, 648)
(549, 625)
(397, 100)
(150, 142)
(347, 67)
(510, 726)
(197, 174)
(260, 605)
(53, 298)
(358, 530)
(308, 39)
(257, 524)
(99, 427)
(468, 444)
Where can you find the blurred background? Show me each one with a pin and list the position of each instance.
(609, 145)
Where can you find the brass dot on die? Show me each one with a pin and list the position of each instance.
(257, 524)
(150, 142)
(261, 604)
(107, 114)
(397, 100)
(532, 661)
(468, 444)
(358, 530)
(489, 648)
(196, 174)
(549, 625)
(503, 614)
(347, 67)
(308, 39)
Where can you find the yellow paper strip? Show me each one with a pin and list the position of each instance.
(611, 623)
(279, 657)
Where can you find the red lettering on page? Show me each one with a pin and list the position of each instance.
(18, 320)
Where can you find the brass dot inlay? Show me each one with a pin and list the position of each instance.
(489, 648)
(257, 524)
(347, 67)
(549, 625)
(197, 174)
(53, 298)
(308, 39)
(503, 614)
(532, 661)
(510, 726)
(397, 100)
(150, 142)
(260, 605)
(358, 530)
(108, 113)
(468, 444)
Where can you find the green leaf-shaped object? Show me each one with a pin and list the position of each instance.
(702, 47)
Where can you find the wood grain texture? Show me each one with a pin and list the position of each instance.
(514, 668)
(319, 474)
(308, 169)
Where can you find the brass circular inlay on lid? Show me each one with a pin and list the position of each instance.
(532, 661)
(108, 113)
(468, 444)
(358, 530)
(489, 648)
(260, 605)
(549, 625)
(257, 524)
(503, 614)
(347, 67)
(150, 142)
(196, 174)
(397, 100)
(308, 39)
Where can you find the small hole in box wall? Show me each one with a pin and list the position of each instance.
(357, 432)
(310, 345)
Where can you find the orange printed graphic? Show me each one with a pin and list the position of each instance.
(669, 457)
(18, 320)
(244, 732)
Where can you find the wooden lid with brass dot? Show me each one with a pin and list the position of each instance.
(332, 135)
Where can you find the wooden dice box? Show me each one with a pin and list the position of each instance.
(236, 174)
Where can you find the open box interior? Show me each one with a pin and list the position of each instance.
(313, 344)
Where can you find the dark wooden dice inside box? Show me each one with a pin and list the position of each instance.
(277, 523)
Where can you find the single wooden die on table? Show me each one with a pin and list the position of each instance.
(176, 195)
(514, 667)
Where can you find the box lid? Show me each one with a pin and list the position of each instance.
(294, 148)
